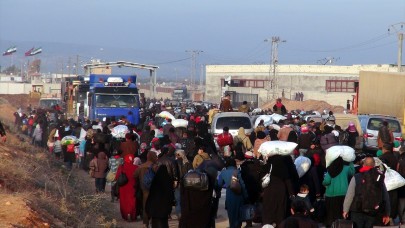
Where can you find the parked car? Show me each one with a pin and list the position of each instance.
(370, 125)
(233, 120)
(343, 121)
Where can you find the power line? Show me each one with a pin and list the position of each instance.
(353, 46)
(174, 61)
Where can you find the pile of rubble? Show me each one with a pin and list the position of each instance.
(308, 105)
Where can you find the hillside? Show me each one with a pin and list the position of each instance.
(35, 189)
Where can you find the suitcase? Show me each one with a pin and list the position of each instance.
(342, 223)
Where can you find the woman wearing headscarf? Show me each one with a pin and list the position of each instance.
(201, 156)
(174, 138)
(353, 134)
(283, 175)
(241, 137)
(336, 181)
(250, 171)
(127, 192)
(261, 138)
(253, 136)
(160, 199)
(233, 201)
(100, 165)
(197, 207)
(113, 163)
(183, 166)
(89, 147)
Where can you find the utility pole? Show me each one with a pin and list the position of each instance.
(194, 54)
(201, 76)
(77, 65)
(273, 80)
(69, 66)
(399, 30)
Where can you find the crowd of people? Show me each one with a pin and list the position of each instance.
(147, 169)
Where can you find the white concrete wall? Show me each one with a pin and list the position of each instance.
(309, 79)
(26, 88)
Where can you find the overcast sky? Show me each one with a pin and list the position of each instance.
(229, 32)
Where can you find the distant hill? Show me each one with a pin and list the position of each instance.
(172, 65)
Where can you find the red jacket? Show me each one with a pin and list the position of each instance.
(225, 139)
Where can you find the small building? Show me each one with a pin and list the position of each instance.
(259, 84)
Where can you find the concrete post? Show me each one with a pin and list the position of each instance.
(400, 41)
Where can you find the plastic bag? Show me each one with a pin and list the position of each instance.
(302, 164)
(266, 118)
(180, 123)
(346, 152)
(119, 131)
(277, 117)
(276, 147)
(166, 114)
(68, 140)
(393, 179)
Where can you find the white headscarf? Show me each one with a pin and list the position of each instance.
(182, 155)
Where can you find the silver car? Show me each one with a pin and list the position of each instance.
(370, 125)
(232, 120)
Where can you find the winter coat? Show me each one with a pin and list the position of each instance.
(102, 165)
(250, 171)
(160, 200)
(243, 108)
(258, 143)
(171, 165)
(199, 158)
(183, 167)
(226, 105)
(129, 147)
(328, 140)
(233, 201)
(401, 170)
(127, 197)
(283, 133)
(337, 186)
(276, 194)
(197, 207)
(241, 137)
(37, 135)
(305, 140)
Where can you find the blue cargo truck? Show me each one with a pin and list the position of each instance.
(113, 96)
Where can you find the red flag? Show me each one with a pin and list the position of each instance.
(28, 53)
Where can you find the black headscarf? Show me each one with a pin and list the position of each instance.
(160, 200)
(336, 167)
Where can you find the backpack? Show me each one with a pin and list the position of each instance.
(369, 191)
(240, 146)
(148, 178)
